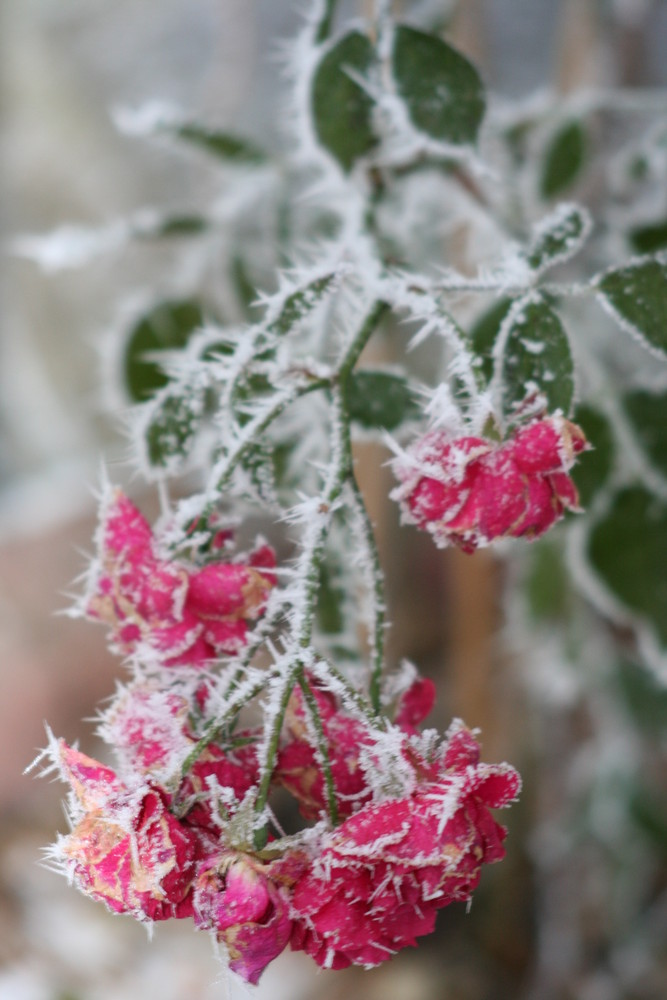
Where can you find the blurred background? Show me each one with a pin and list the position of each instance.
(578, 911)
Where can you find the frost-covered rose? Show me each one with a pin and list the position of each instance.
(247, 904)
(383, 874)
(298, 768)
(175, 613)
(125, 848)
(469, 491)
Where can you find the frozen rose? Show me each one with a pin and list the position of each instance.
(468, 492)
(125, 849)
(176, 613)
(382, 875)
(247, 904)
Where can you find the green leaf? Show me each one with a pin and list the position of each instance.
(285, 313)
(558, 236)
(627, 547)
(341, 108)
(535, 357)
(547, 583)
(647, 412)
(441, 89)
(636, 296)
(220, 144)
(168, 326)
(649, 239)
(485, 331)
(650, 815)
(644, 697)
(175, 418)
(564, 159)
(593, 467)
(380, 399)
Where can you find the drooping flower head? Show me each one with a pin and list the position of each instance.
(383, 874)
(247, 903)
(470, 491)
(176, 613)
(125, 848)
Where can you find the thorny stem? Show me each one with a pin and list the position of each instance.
(225, 469)
(293, 677)
(376, 638)
(214, 728)
(332, 673)
(316, 719)
(340, 472)
(312, 553)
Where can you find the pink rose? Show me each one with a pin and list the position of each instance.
(178, 613)
(246, 902)
(468, 492)
(383, 874)
(125, 849)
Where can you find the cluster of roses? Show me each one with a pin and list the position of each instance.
(170, 832)
(160, 838)
(354, 894)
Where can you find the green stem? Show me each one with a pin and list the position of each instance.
(262, 833)
(357, 699)
(378, 597)
(314, 543)
(323, 748)
(214, 728)
(351, 354)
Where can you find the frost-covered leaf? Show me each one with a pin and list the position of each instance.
(484, 332)
(259, 463)
(534, 358)
(636, 296)
(649, 238)
(222, 145)
(558, 236)
(648, 415)
(175, 418)
(166, 327)
(593, 467)
(627, 547)
(342, 110)
(563, 160)
(380, 399)
(441, 89)
(286, 311)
